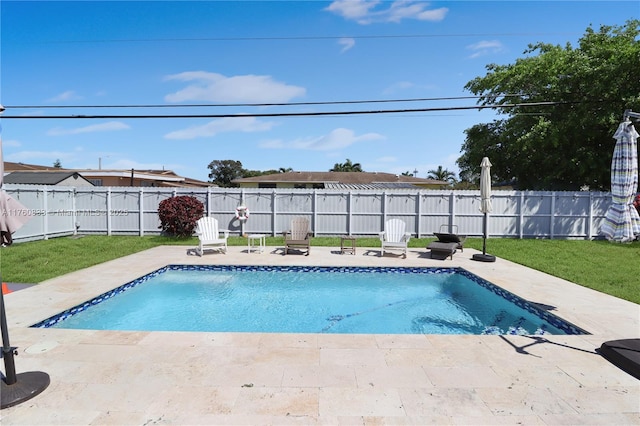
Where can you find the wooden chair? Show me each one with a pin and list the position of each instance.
(298, 237)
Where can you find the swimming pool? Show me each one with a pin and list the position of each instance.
(288, 299)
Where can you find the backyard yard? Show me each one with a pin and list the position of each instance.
(600, 265)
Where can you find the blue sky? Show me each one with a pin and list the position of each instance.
(119, 53)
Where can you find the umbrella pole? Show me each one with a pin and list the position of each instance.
(7, 350)
(484, 257)
(484, 234)
(16, 388)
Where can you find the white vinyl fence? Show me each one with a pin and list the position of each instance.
(58, 211)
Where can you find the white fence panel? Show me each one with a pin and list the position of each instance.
(58, 211)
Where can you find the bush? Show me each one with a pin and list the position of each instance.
(636, 203)
(178, 215)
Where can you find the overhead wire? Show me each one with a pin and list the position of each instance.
(289, 114)
(264, 104)
(294, 38)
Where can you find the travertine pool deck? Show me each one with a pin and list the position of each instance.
(144, 378)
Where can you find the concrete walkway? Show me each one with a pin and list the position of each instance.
(143, 378)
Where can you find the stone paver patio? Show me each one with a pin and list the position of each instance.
(144, 378)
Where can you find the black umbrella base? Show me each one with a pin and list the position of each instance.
(625, 354)
(482, 257)
(27, 386)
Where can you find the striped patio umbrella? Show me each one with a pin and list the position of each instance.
(622, 222)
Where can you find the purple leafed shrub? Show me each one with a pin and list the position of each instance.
(178, 215)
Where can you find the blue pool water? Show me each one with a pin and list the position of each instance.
(312, 300)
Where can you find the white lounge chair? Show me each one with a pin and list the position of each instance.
(394, 236)
(209, 235)
(298, 237)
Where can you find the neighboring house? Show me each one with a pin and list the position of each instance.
(339, 180)
(132, 177)
(47, 177)
(113, 177)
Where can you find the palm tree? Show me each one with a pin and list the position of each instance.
(285, 170)
(347, 166)
(441, 174)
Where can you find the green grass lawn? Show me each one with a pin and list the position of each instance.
(607, 267)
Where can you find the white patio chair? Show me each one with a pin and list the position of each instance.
(394, 236)
(209, 235)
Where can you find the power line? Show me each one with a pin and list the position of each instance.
(291, 114)
(298, 38)
(247, 104)
(374, 101)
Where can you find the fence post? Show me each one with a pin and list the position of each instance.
(384, 208)
(274, 212)
(418, 212)
(314, 212)
(590, 217)
(141, 207)
(520, 215)
(74, 211)
(45, 216)
(452, 210)
(108, 210)
(553, 215)
(349, 212)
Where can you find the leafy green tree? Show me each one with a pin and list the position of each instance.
(347, 166)
(57, 164)
(442, 174)
(565, 142)
(254, 173)
(223, 172)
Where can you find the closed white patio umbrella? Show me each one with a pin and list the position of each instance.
(485, 207)
(622, 222)
(14, 388)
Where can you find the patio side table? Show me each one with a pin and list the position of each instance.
(348, 245)
(256, 242)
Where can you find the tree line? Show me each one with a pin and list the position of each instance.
(224, 172)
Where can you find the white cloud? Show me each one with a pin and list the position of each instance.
(39, 157)
(69, 95)
(485, 47)
(223, 125)
(352, 9)
(102, 127)
(213, 87)
(335, 140)
(346, 43)
(10, 143)
(366, 12)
